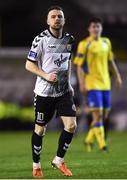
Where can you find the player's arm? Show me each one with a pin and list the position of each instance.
(115, 72)
(113, 66)
(33, 68)
(78, 61)
(81, 74)
(32, 59)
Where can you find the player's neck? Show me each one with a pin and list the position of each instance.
(57, 33)
(96, 38)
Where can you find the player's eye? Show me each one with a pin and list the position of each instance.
(60, 16)
(53, 16)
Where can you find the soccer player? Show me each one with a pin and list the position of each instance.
(50, 59)
(94, 55)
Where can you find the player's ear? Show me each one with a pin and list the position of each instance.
(47, 21)
(101, 28)
(88, 29)
(64, 20)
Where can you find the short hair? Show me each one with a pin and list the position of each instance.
(95, 20)
(54, 8)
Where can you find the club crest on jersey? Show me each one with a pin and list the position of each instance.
(60, 61)
(104, 45)
(69, 47)
(32, 54)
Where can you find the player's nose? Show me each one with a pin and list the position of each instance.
(57, 18)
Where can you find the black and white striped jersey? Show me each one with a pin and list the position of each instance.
(52, 54)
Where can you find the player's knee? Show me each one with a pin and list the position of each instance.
(97, 116)
(71, 127)
(40, 130)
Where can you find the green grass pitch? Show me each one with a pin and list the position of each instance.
(15, 157)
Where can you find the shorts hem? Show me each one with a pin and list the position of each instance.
(98, 108)
(93, 109)
(68, 115)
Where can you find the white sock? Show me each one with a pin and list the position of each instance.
(36, 165)
(58, 160)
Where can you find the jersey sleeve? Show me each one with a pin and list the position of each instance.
(36, 49)
(80, 54)
(71, 45)
(110, 55)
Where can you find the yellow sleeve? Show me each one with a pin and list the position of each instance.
(111, 55)
(80, 55)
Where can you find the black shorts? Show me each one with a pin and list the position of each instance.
(45, 107)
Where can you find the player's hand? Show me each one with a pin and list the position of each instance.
(119, 81)
(52, 77)
(83, 89)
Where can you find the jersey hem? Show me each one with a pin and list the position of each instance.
(44, 95)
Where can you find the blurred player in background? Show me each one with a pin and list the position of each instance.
(94, 54)
(50, 59)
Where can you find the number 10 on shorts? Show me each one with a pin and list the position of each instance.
(40, 116)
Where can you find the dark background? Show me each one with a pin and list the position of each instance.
(21, 21)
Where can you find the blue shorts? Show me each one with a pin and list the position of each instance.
(97, 99)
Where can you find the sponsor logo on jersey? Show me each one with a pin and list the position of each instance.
(60, 61)
(32, 54)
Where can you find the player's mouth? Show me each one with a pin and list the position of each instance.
(57, 23)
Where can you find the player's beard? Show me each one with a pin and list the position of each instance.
(57, 27)
(58, 30)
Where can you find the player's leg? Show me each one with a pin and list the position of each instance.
(64, 143)
(107, 109)
(95, 103)
(66, 135)
(67, 111)
(98, 128)
(37, 138)
(106, 121)
(88, 117)
(89, 139)
(43, 113)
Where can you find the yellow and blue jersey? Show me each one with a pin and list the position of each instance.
(93, 56)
